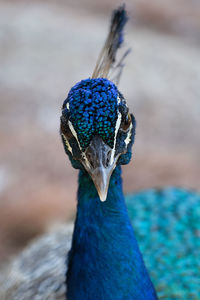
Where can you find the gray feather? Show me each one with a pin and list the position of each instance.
(38, 273)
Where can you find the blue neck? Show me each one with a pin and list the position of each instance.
(105, 261)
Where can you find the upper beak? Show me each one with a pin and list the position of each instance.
(99, 162)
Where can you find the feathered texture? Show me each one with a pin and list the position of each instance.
(86, 113)
(115, 38)
(38, 273)
(104, 261)
(167, 227)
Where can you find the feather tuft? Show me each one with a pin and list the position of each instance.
(113, 42)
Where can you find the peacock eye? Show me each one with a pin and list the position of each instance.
(65, 130)
(126, 122)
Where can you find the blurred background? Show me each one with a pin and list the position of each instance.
(45, 48)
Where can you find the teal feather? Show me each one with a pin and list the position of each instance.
(167, 227)
(166, 223)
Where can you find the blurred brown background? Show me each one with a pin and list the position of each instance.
(45, 48)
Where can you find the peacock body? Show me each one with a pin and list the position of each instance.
(104, 261)
(166, 225)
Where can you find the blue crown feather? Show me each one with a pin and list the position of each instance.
(93, 109)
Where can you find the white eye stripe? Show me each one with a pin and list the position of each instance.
(70, 148)
(117, 126)
(128, 137)
(73, 131)
(67, 144)
(118, 123)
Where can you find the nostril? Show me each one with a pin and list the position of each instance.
(108, 158)
(107, 162)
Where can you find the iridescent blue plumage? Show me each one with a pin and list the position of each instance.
(93, 108)
(105, 261)
(98, 132)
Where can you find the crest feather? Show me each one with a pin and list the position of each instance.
(114, 40)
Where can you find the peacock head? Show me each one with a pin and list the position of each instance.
(97, 130)
(96, 127)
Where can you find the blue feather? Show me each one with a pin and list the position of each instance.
(105, 261)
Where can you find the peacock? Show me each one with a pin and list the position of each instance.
(104, 260)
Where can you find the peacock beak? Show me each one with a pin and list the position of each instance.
(99, 162)
(101, 179)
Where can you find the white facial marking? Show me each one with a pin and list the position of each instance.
(118, 99)
(115, 137)
(67, 144)
(74, 133)
(128, 138)
(76, 137)
(67, 105)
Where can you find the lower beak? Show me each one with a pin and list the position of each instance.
(99, 163)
